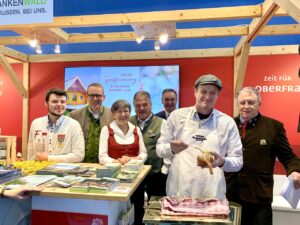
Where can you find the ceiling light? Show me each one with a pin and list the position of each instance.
(163, 38)
(38, 49)
(34, 42)
(57, 47)
(156, 45)
(140, 38)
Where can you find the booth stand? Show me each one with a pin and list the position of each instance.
(153, 216)
(60, 206)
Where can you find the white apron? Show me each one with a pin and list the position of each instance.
(185, 177)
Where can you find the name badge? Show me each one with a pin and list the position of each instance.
(263, 142)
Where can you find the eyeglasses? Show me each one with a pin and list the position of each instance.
(95, 95)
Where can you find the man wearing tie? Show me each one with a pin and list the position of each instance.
(264, 139)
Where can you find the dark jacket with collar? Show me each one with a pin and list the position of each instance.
(161, 114)
(265, 140)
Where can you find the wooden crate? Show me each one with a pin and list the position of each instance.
(8, 148)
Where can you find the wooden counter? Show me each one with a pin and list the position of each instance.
(60, 206)
(65, 193)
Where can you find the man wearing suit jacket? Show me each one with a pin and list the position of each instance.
(264, 139)
(169, 100)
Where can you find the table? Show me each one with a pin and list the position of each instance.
(152, 216)
(54, 204)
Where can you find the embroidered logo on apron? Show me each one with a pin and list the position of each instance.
(199, 137)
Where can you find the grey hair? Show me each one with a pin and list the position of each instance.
(141, 93)
(250, 90)
(120, 104)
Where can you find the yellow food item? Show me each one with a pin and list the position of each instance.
(206, 159)
(30, 167)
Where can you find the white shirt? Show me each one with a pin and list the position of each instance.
(120, 138)
(63, 141)
(228, 134)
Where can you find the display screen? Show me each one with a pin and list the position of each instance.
(120, 83)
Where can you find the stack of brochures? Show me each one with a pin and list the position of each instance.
(59, 169)
(127, 176)
(108, 170)
(95, 185)
(7, 174)
(31, 180)
(134, 165)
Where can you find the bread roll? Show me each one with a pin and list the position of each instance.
(205, 159)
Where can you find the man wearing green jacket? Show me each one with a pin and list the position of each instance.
(92, 118)
(150, 126)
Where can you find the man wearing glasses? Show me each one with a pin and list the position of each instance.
(92, 118)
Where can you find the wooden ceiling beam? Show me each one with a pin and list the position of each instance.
(11, 53)
(174, 54)
(292, 7)
(268, 8)
(61, 35)
(13, 76)
(180, 33)
(102, 37)
(224, 13)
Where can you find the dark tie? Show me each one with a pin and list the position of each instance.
(244, 126)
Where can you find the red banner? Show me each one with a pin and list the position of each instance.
(39, 217)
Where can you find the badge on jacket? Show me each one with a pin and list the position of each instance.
(263, 142)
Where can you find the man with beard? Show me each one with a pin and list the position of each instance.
(92, 118)
(169, 100)
(55, 137)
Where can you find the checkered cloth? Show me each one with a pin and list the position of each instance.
(194, 207)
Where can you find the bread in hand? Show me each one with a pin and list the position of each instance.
(205, 159)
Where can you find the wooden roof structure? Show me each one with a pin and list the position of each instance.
(14, 48)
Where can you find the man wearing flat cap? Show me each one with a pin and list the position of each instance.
(196, 132)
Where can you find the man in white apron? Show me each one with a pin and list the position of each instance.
(200, 127)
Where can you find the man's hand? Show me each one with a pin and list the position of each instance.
(296, 179)
(22, 192)
(218, 160)
(42, 156)
(178, 146)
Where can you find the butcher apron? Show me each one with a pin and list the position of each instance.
(186, 178)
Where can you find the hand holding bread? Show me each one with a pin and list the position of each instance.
(206, 159)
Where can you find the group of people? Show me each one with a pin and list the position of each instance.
(244, 148)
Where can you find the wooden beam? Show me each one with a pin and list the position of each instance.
(13, 53)
(225, 13)
(292, 7)
(212, 32)
(280, 30)
(13, 76)
(194, 53)
(180, 33)
(62, 35)
(102, 37)
(174, 54)
(240, 67)
(268, 8)
(44, 35)
(275, 50)
(25, 114)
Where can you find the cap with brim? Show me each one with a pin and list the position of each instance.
(209, 79)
